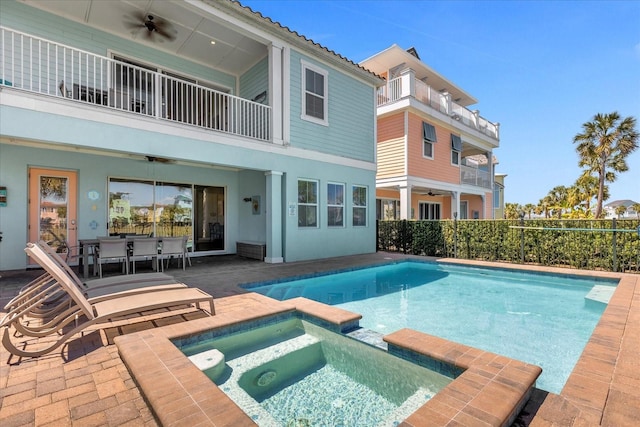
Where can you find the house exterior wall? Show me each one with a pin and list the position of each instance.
(439, 168)
(351, 115)
(100, 142)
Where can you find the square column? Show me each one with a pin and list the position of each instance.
(274, 217)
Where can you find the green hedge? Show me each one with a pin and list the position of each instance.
(540, 243)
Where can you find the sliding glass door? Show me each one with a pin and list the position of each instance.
(156, 208)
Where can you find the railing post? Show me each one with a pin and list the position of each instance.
(614, 245)
(455, 234)
(522, 238)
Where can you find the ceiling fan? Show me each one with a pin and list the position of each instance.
(156, 28)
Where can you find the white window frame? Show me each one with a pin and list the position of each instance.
(307, 204)
(364, 207)
(458, 153)
(430, 210)
(427, 142)
(335, 205)
(303, 107)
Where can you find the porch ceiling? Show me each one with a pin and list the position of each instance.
(233, 52)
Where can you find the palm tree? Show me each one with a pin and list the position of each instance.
(620, 210)
(558, 199)
(529, 208)
(603, 146)
(543, 206)
(636, 208)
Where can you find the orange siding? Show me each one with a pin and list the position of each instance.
(387, 194)
(391, 127)
(439, 168)
(391, 158)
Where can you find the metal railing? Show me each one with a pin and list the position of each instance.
(41, 66)
(400, 87)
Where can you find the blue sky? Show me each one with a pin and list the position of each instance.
(540, 68)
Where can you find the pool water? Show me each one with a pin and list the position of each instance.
(538, 318)
(294, 373)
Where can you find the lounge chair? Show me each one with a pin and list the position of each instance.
(84, 313)
(141, 283)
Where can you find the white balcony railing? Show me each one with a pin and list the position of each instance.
(37, 65)
(402, 87)
(474, 176)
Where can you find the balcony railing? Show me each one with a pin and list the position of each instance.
(408, 86)
(473, 176)
(41, 66)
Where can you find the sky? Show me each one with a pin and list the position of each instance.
(540, 68)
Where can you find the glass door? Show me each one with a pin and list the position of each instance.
(53, 207)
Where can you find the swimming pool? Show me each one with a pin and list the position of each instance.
(538, 318)
(295, 373)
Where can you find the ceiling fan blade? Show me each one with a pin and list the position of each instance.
(167, 34)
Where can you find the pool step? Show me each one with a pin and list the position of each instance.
(600, 293)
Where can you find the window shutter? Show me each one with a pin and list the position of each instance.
(428, 132)
(456, 142)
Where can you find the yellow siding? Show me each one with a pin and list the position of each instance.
(390, 158)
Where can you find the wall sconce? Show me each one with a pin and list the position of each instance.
(247, 199)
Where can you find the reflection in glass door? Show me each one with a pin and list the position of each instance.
(52, 207)
(209, 218)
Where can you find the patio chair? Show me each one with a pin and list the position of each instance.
(83, 313)
(172, 247)
(112, 250)
(143, 249)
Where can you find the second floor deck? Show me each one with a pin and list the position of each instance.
(44, 67)
(406, 85)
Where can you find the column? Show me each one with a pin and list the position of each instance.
(274, 217)
(405, 202)
(455, 204)
(275, 93)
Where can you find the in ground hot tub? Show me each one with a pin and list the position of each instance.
(295, 373)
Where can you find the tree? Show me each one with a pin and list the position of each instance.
(529, 208)
(512, 210)
(636, 208)
(558, 200)
(603, 146)
(620, 210)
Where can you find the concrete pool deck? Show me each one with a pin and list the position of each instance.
(87, 382)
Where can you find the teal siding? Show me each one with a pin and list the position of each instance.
(43, 24)
(351, 115)
(255, 80)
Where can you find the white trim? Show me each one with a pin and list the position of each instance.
(316, 204)
(421, 203)
(305, 65)
(343, 205)
(365, 207)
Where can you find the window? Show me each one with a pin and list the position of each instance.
(464, 210)
(335, 205)
(428, 138)
(456, 149)
(429, 210)
(497, 189)
(387, 209)
(314, 94)
(307, 203)
(359, 206)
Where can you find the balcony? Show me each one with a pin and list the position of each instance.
(406, 85)
(473, 176)
(44, 67)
